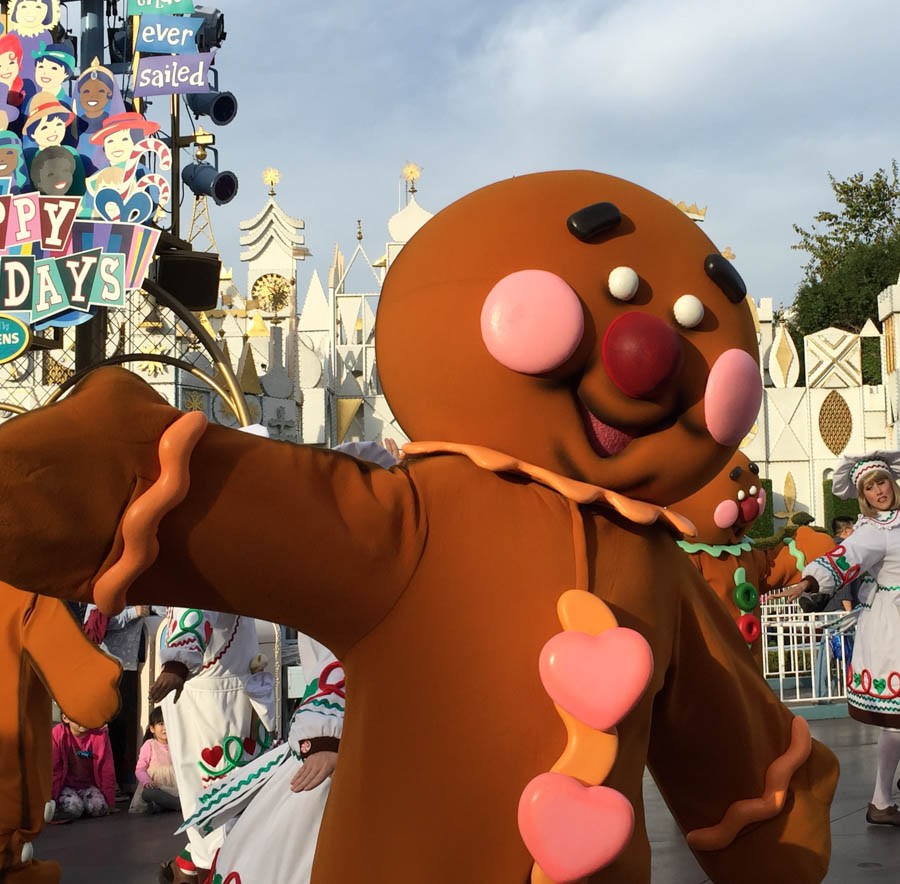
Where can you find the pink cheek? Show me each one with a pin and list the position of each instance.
(725, 514)
(733, 396)
(761, 499)
(532, 321)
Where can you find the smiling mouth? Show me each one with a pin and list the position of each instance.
(605, 439)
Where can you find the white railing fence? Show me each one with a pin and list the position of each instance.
(805, 656)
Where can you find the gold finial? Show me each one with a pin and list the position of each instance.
(271, 177)
(412, 172)
(728, 253)
(359, 230)
(692, 211)
(200, 153)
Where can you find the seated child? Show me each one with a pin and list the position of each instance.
(156, 789)
(84, 778)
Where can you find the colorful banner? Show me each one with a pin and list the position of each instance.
(172, 74)
(160, 7)
(168, 33)
(15, 338)
(44, 287)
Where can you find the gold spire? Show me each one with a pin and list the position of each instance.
(271, 176)
(412, 172)
(358, 230)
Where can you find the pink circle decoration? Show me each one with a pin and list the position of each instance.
(761, 500)
(532, 321)
(725, 514)
(733, 396)
(596, 678)
(573, 830)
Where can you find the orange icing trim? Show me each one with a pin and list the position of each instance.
(581, 492)
(752, 810)
(141, 520)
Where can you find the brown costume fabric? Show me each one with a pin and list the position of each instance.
(767, 569)
(437, 583)
(45, 653)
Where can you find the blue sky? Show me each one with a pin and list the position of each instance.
(744, 110)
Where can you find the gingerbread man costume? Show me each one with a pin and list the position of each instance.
(45, 653)
(722, 512)
(519, 631)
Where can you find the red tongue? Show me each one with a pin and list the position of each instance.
(606, 440)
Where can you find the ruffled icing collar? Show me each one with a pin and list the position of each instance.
(716, 549)
(579, 492)
(886, 520)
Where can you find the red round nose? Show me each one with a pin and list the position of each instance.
(749, 509)
(641, 354)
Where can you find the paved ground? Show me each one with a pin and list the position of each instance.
(127, 849)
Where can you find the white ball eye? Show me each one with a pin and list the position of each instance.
(741, 495)
(688, 310)
(753, 490)
(623, 283)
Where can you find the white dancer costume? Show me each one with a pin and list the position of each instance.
(873, 679)
(211, 729)
(276, 815)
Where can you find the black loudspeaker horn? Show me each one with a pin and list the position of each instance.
(192, 278)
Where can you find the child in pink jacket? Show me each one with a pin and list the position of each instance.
(84, 777)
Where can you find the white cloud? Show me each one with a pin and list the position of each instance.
(743, 108)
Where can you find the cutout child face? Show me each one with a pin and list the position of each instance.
(53, 176)
(29, 14)
(49, 132)
(94, 96)
(117, 147)
(49, 76)
(9, 160)
(9, 68)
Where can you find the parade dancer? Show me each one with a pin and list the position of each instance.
(209, 695)
(873, 677)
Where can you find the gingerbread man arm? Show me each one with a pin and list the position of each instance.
(787, 560)
(355, 531)
(79, 676)
(744, 781)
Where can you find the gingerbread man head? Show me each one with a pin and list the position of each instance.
(578, 322)
(724, 510)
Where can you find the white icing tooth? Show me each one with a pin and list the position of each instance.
(741, 495)
(753, 491)
(27, 852)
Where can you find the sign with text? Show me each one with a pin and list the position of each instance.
(168, 33)
(160, 7)
(44, 287)
(15, 338)
(171, 74)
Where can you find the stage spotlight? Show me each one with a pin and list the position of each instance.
(204, 179)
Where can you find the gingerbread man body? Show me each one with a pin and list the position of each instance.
(738, 572)
(520, 633)
(45, 653)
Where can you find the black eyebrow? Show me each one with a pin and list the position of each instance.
(735, 473)
(721, 271)
(588, 223)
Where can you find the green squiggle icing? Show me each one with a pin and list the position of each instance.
(717, 549)
(796, 553)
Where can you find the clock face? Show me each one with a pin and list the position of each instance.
(273, 292)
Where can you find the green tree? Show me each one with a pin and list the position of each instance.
(869, 213)
(846, 295)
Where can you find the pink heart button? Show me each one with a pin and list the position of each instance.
(597, 678)
(573, 830)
